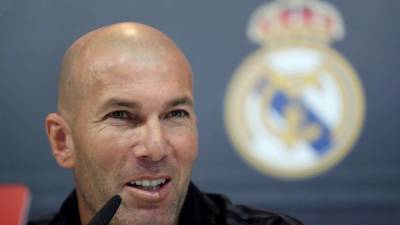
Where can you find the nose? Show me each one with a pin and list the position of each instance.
(154, 146)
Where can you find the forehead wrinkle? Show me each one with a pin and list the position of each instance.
(140, 57)
(124, 66)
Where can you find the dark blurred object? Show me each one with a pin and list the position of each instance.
(105, 214)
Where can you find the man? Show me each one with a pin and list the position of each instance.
(126, 125)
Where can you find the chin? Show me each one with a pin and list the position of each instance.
(149, 216)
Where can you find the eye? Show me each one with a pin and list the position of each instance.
(122, 115)
(177, 114)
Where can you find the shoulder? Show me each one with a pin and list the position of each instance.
(244, 215)
(67, 214)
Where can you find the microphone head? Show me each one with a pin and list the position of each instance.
(106, 213)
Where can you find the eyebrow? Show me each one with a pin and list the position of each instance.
(118, 102)
(180, 101)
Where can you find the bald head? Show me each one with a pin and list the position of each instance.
(93, 54)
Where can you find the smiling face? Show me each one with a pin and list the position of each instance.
(135, 135)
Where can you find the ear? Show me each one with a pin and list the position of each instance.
(61, 142)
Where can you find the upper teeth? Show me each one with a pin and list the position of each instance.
(149, 183)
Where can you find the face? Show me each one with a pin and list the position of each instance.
(136, 136)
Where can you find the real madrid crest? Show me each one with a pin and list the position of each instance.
(294, 107)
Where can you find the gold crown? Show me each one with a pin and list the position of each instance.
(304, 19)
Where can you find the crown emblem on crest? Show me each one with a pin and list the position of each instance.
(304, 19)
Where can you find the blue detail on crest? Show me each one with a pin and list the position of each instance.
(323, 143)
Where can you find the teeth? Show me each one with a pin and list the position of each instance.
(149, 183)
(146, 183)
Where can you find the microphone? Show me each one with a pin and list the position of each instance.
(106, 213)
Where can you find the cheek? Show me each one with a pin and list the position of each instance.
(186, 146)
(109, 148)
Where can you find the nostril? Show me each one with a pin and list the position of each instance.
(152, 152)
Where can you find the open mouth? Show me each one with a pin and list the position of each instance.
(149, 185)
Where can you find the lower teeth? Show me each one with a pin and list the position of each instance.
(149, 188)
(146, 188)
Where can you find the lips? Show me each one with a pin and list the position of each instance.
(148, 185)
(148, 189)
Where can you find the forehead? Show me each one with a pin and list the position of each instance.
(150, 78)
(127, 67)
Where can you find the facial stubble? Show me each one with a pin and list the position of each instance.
(91, 179)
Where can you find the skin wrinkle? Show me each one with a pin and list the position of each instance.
(141, 64)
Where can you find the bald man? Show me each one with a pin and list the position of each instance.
(126, 125)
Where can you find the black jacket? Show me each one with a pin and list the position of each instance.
(198, 209)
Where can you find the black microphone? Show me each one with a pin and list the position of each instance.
(106, 213)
